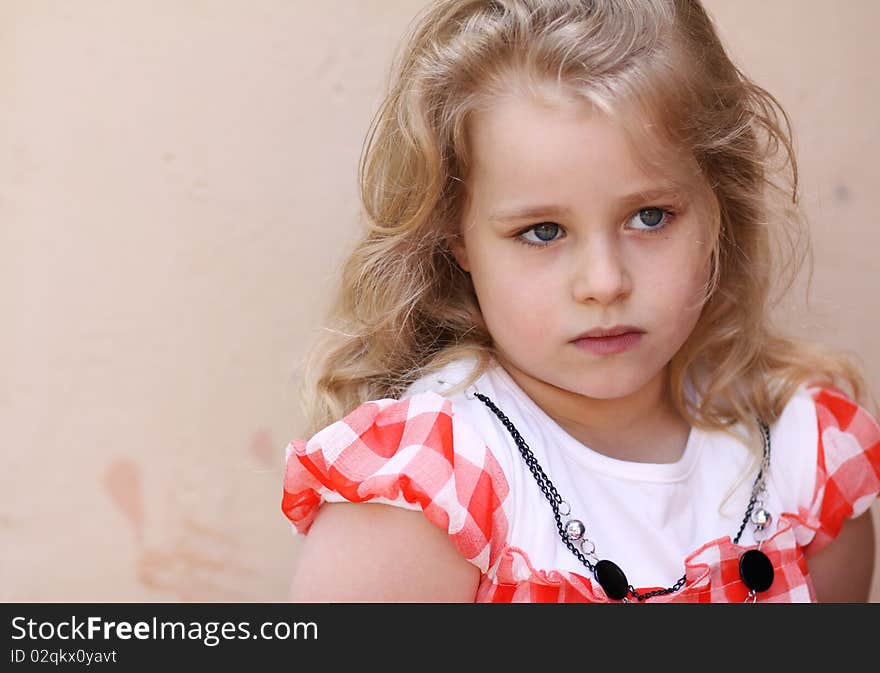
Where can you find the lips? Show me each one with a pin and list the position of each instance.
(617, 330)
(609, 345)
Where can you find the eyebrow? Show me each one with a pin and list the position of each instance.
(532, 212)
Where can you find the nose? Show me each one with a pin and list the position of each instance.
(599, 272)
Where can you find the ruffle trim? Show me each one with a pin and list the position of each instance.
(401, 453)
(711, 574)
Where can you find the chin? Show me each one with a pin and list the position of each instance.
(608, 389)
(607, 392)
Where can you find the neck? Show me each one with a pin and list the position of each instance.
(641, 427)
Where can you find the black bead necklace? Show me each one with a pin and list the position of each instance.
(755, 568)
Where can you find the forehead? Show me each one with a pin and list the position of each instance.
(519, 141)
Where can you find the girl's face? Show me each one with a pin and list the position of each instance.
(594, 250)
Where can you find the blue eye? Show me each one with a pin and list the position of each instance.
(653, 218)
(545, 233)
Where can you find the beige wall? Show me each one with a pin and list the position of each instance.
(177, 185)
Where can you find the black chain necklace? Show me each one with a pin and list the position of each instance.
(755, 568)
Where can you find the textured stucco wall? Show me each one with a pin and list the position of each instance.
(177, 185)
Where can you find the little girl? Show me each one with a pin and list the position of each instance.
(552, 373)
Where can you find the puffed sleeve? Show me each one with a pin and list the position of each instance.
(848, 465)
(411, 453)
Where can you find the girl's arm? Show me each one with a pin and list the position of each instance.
(842, 571)
(367, 552)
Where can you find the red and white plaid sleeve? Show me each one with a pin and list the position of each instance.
(848, 465)
(412, 453)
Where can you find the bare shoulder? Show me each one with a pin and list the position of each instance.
(842, 571)
(369, 552)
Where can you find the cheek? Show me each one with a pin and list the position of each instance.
(686, 302)
(680, 296)
(513, 300)
(687, 265)
(678, 286)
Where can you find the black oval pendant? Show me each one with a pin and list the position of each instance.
(756, 570)
(612, 579)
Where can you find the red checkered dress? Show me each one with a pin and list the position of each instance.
(402, 453)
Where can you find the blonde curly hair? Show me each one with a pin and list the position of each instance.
(404, 308)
